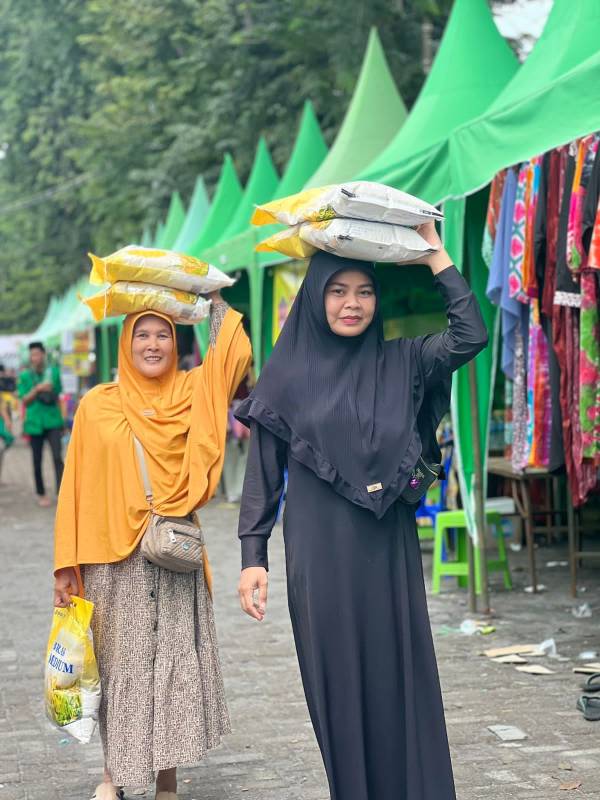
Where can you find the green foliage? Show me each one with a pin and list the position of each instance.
(134, 98)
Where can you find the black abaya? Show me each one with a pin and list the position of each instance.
(357, 603)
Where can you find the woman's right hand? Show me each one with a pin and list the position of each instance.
(65, 584)
(253, 580)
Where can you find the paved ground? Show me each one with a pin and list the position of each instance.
(272, 753)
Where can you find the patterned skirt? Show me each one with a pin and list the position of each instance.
(163, 702)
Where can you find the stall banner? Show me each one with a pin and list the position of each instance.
(287, 280)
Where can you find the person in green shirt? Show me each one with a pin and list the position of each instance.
(39, 389)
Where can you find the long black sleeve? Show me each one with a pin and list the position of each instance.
(263, 485)
(465, 336)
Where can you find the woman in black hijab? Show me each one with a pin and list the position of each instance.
(352, 416)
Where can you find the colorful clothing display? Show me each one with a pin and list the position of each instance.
(493, 216)
(544, 230)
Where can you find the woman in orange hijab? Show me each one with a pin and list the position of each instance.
(163, 703)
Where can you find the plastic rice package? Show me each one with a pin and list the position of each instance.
(364, 200)
(289, 243)
(127, 297)
(350, 238)
(72, 682)
(160, 267)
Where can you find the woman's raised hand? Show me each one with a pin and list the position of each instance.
(65, 584)
(439, 260)
(253, 581)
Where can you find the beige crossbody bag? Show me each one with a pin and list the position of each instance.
(175, 543)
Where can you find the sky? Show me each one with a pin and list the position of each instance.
(523, 21)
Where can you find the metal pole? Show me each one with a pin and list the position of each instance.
(478, 482)
(471, 563)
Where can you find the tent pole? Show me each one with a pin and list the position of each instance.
(471, 565)
(480, 552)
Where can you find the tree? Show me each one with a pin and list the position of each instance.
(110, 105)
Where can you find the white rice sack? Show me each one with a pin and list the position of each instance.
(366, 241)
(366, 200)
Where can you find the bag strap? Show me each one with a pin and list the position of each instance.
(144, 469)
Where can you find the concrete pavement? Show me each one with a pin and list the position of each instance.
(272, 754)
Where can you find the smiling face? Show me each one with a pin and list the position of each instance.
(152, 346)
(350, 302)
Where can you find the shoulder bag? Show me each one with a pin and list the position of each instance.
(175, 543)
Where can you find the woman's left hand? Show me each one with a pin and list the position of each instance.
(438, 260)
(215, 297)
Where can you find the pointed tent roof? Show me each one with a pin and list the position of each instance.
(158, 233)
(173, 224)
(260, 188)
(195, 217)
(553, 99)
(146, 237)
(307, 154)
(472, 65)
(569, 37)
(374, 115)
(226, 199)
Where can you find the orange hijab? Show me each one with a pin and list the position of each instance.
(180, 419)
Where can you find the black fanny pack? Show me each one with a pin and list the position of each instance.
(421, 478)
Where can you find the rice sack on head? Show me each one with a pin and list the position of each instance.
(160, 267)
(363, 200)
(126, 297)
(350, 238)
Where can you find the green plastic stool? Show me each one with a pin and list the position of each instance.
(459, 567)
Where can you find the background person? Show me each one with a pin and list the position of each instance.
(350, 415)
(39, 388)
(6, 429)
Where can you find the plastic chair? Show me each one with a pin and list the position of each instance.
(459, 567)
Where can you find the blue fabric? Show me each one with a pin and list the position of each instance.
(497, 289)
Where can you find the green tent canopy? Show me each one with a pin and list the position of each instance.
(238, 252)
(374, 115)
(262, 183)
(146, 238)
(539, 109)
(472, 66)
(158, 234)
(553, 99)
(173, 224)
(194, 219)
(226, 199)
(307, 154)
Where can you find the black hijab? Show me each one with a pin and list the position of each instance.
(347, 406)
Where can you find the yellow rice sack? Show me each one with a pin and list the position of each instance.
(160, 267)
(364, 200)
(288, 242)
(350, 238)
(126, 297)
(72, 683)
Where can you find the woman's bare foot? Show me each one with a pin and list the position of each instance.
(44, 501)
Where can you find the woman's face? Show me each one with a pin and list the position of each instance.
(350, 302)
(152, 347)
